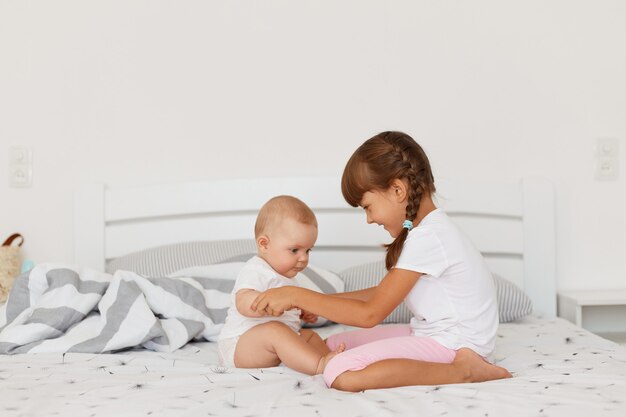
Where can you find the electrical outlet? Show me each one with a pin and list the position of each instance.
(607, 148)
(607, 159)
(607, 169)
(19, 155)
(20, 167)
(20, 176)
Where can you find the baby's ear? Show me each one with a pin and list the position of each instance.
(262, 242)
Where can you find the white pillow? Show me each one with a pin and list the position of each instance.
(219, 280)
(513, 303)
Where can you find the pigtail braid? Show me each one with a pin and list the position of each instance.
(413, 203)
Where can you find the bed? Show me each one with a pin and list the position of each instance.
(559, 369)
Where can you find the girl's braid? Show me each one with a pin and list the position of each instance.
(415, 187)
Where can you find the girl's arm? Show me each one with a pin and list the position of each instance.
(351, 311)
(364, 294)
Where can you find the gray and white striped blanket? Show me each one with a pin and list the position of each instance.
(61, 308)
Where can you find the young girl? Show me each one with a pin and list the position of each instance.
(432, 267)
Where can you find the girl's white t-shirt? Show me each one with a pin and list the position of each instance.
(454, 301)
(257, 275)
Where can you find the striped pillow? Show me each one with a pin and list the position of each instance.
(163, 260)
(513, 303)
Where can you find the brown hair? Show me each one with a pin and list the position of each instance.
(281, 207)
(376, 163)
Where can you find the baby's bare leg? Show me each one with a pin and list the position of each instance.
(271, 343)
(318, 343)
(314, 339)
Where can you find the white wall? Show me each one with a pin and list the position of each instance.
(134, 92)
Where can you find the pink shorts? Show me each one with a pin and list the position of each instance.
(366, 346)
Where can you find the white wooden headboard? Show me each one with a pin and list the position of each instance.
(511, 224)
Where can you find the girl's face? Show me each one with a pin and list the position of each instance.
(385, 208)
(288, 246)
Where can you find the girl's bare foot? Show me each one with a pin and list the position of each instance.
(477, 369)
(326, 358)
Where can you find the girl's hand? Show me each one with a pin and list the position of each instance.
(308, 317)
(274, 302)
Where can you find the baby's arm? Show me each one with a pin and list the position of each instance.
(243, 301)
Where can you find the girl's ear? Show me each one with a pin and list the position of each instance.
(399, 188)
(262, 242)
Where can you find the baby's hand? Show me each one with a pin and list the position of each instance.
(308, 317)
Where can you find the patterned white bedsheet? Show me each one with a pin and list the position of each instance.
(560, 370)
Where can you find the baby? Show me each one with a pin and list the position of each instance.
(285, 232)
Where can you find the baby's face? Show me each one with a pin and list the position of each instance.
(289, 246)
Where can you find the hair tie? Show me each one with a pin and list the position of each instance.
(408, 224)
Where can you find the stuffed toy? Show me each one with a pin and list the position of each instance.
(10, 263)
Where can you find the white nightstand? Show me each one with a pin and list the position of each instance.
(600, 311)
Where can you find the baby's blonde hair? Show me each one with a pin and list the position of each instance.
(282, 207)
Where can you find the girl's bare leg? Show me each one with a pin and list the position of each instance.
(467, 366)
(271, 343)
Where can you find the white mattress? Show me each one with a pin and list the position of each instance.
(559, 370)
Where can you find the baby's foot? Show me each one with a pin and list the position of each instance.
(326, 358)
(477, 369)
